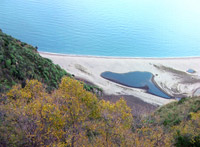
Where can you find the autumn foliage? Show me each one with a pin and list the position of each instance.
(71, 116)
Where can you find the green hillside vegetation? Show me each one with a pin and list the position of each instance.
(183, 119)
(20, 61)
(174, 113)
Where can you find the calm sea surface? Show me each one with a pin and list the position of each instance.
(136, 28)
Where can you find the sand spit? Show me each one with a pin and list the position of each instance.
(170, 74)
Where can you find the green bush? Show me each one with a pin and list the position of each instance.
(8, 63)
(21, 61)
(186, 141)
(1, 58)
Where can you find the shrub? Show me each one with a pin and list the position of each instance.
(8, 63)
(23, 62)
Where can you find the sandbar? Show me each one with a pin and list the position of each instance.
(170, 74)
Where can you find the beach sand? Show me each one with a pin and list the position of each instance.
(170, 74)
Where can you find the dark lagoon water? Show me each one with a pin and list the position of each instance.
(136, 28)
(136, 80)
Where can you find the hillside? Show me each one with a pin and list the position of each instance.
(71, 116)
(182, 120)
(30, 115)
(176, 112)
(20, 61)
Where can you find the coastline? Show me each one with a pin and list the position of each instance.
(116, 57)
(170, 73)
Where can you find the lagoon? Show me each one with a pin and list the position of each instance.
(137, 79)
(123, 28)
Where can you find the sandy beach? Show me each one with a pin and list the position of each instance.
(170, 74)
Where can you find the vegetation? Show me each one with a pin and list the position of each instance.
(182, 118)
(188, 132)
(20, 61)
(174, 113)
(69, 115)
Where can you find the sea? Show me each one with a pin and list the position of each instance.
(120, 28)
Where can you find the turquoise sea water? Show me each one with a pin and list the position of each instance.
(136, 28)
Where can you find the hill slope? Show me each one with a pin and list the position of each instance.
(30, 116)
(176, 112)
(20, 61)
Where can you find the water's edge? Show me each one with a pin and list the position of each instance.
(118, 57)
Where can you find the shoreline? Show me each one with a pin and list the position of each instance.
(171, 75)
(116, 57)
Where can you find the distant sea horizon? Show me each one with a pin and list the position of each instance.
(114, 28)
